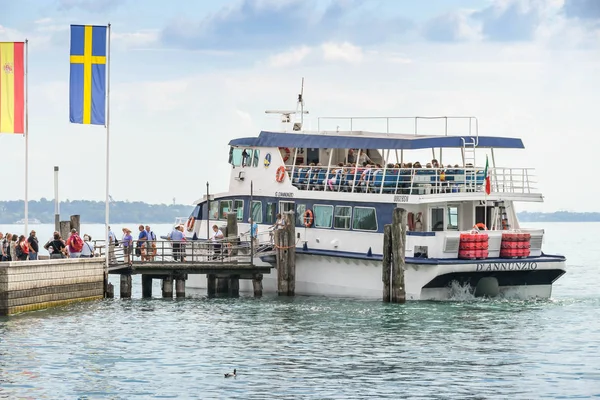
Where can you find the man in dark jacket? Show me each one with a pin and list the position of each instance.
(33, 246)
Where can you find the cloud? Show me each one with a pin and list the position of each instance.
(509, 20)
(290, 57)
(582, 9)
(342, 52)
(93, 6)
(268, 24)
(451, 27)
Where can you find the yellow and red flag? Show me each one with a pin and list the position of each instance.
(12, 87)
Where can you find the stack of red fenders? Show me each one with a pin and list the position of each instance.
(473, 245)
(515, 245)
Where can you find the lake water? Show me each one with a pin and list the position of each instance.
(315, 347)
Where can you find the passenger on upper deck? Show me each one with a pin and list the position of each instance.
(363, 157)
(351, 159)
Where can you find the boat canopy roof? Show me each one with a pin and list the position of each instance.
(370, 140)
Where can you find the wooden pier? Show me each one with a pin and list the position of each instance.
(223, 262)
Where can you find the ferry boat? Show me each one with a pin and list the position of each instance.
(463, 231)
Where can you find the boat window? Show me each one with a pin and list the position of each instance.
(197, 213)
(257, 212)
(238, 207)
(285, 206)
(225, 206)
(364, 219)
(247, 158)
(452, 218)
(341, 218)
(300, 210)
(437, 219)
(323, 216)
(271, 207)
(235, 157)
(214, 210)
(256, 158)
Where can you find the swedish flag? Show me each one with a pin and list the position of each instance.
(87, 97)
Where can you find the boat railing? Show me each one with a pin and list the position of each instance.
(409, 181)
(473, 124)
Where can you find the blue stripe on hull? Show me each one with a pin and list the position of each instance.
(427, 261)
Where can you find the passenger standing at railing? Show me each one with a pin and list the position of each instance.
(216, 241)
(253, 232)
(363, 158)
(112, 242)
(127, 243)
(176, 236)
(88, 247)
(150, 244)
(351, 159)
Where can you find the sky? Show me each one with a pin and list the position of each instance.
(188, 76)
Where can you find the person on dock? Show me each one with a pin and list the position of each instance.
(253, 232)
(127, 243)
(34, 246)
(112, 242)
(150, 244)
(22, 249)
(88, 247)
(216, 241)
(13, 247)
(74, 244)
(140, 247)
(5, 247)
(176, 237)
(56, 247)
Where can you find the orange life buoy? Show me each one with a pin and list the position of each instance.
(308, 218)
(287, 153)
(190, 224)
(280, 174)
(480, 226)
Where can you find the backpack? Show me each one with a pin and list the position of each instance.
(19, 250)
(76, 243)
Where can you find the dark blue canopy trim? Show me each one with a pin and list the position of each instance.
(300, 140)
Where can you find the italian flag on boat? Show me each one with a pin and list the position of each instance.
(486, 174)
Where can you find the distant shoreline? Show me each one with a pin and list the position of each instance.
(92, 212)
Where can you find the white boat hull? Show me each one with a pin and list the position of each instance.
(338, 276)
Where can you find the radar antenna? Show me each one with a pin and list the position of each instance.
(286, 114)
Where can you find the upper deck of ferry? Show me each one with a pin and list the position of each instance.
(358, 161)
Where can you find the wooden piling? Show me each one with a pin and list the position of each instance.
(398, 249)
(387, 262)
(167, 287)
(222, 285)
(125, 292)
(146, 286)
(232, 231)
(291, 253)
(234, 286)
(257, 285)
(180, 287)
(65, 229)
(110, 291)
(211, 285)
(75, 222)
(281, 243)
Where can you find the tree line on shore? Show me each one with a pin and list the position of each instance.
(93, 211)
(124, 211)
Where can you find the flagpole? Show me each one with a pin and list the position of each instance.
(107, 198)
(26, 137)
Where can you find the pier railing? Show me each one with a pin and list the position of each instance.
(226, 251)
(412, 180)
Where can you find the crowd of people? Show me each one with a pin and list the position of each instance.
(20, 248)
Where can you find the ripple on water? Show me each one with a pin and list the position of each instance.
(304, 347)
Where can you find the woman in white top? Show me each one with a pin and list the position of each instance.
(87, 251)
